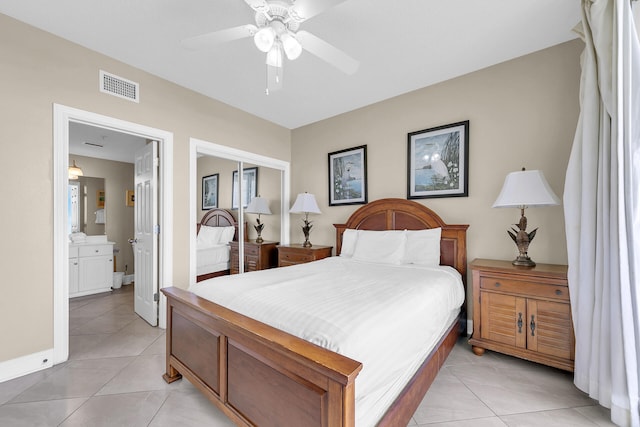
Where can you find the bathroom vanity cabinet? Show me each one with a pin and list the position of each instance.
(90, 268)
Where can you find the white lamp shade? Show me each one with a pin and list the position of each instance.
(258, 205)
(526, 189)
(305, 203)
(264, 38)
(291, 45)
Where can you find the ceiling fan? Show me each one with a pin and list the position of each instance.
(276, 32)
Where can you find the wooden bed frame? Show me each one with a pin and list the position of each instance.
(261, 376)
(218, 218)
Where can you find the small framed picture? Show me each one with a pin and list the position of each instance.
(249, 187)
(100, 199)
(210, 192)
(438, 162)
(348, 176)
(130, 198)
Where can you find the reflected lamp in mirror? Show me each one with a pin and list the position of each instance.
(260, 206)
(525, 189)
(75, 171)
(305, 203)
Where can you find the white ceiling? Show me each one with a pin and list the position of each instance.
(91, 141)
(402, 46)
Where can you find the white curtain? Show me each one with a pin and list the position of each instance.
(602, 212)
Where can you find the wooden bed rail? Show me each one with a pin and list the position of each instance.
(256, 374)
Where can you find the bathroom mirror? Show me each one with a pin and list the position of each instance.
(87, 206)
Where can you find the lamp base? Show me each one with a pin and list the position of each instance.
(306, 244)
(523, 261)
(259, 239)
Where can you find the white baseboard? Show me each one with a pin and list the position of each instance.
(24, 365)
(469, 327)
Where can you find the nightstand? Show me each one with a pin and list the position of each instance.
(257, 256)
(298, 254)
(523, 311)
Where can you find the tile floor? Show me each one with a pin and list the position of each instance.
(113, 378)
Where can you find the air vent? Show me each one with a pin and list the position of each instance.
(119, 87)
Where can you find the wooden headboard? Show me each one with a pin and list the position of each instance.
(221, 218)
(401, 214)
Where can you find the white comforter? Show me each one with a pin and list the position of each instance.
(388, 317)
(212, 259)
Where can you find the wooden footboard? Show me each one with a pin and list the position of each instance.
(260, 376)
(256, 374)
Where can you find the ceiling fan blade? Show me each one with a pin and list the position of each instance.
(258, 5)
(305, 9)
(209, 40)
(327, 52)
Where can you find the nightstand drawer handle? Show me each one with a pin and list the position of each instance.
(558, 292)
(532, 325)
(497, 284)
(520, 323)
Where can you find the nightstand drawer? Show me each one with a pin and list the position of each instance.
(251, 250)
(298, 254)
(511, 286)
(295, 257)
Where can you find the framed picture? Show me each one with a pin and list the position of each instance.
(209, 192)
(100, 199)
(438, 162)
(348, 176)
(130, 198)
(249, 187)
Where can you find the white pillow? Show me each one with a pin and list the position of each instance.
(208, 236)
(385, 247)
(423, 247)
(349, 238)
(227, 234)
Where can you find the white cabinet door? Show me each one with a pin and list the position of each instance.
(74, 270)
(96, 273)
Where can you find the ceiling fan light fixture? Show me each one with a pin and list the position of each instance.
(274, 56)
(75, 171)
(264, 39)
(291, 45)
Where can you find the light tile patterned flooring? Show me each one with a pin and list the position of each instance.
(113, 378)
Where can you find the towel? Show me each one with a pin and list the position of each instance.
(78, 237)
(100, 216)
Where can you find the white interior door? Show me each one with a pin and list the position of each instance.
(145, 244)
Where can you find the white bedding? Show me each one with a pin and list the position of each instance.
(389, 317)
(212, 259)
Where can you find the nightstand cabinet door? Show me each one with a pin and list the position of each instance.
(550, 329)
(524, 312)
(257, 256)
(503, 319)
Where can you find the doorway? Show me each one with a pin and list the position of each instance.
(63, 116)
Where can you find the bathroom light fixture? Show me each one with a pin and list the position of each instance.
(75, 171)
(525, 189)
(305, 203)
(260, 206)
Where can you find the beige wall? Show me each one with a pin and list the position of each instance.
(118, 178)
(39, 70)
(522, 113)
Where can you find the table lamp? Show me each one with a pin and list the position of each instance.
(521, 190)
(260, 206)
(305, 203)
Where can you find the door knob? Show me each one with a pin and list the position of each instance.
(132, 241)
